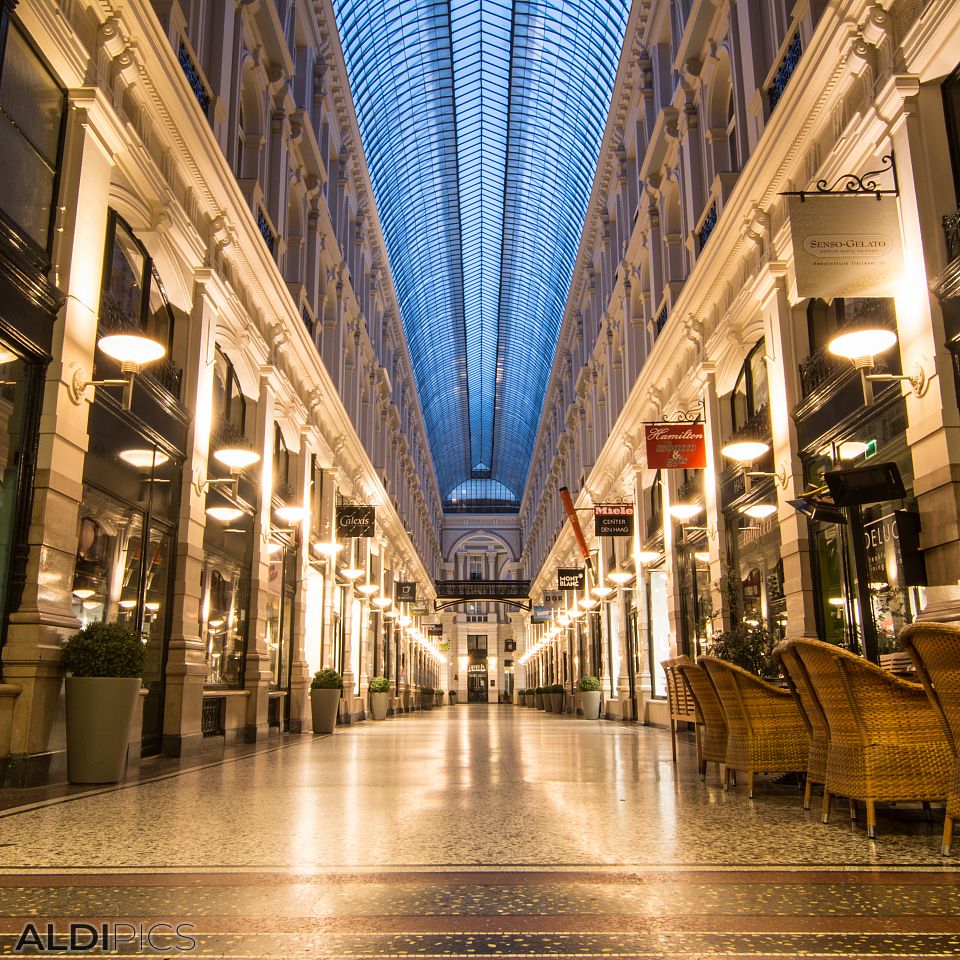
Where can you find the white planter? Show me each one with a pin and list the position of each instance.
(378, 705)
(591, 704)
(99, 713)
(324, 705)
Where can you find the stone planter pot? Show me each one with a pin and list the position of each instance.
(378, 705)
(548, 702)
(453, 698)
(324, 705)
(439, 695)
(590, 699)
(99, 713)
(557, 700)
(427, 701)
(538, 701)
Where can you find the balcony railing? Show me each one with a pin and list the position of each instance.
(706, 228)
(756, 428)
(266, 231)
(661, 320)
(788, 65)
(192, 73)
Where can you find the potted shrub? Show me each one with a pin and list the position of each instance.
(538, 698)
(590, 697)
(547, 698)
(426, 697)
(557, 697)
(379, 688)
(439, 695)
(325, 690)
(105, 663)
(528, 698)
(452, 697)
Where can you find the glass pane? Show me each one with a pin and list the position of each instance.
(15, 387)
(30, 98)
(123, 299)
(26, 187)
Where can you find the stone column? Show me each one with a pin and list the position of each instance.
(299, 693)
(44, 618)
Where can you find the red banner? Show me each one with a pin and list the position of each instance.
(676, 446)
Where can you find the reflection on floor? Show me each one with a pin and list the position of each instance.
(478, 830)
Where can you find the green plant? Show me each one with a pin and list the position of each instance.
(748, 645)
(452, 693)
(379, 685)
(589, 684)
(104, 650)
(427, 691)
(557, 688)
(326, 679)
(539, 691)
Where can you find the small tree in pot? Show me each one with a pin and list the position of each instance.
(426, 697)
(590, 697)
(325, 690)
(105, 663)
(538, 699)
(558, 695)
(379, 697)
(452, 696)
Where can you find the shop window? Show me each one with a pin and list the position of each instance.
(279, 612)
(31, 135)
(951, 109)
(751, 393)
(133, 295)
(477, 644)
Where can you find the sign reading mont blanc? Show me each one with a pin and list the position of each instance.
(405, 591)
(570, 578)
(676, 446)
(846, 246)
(613, 519)
(356, 521)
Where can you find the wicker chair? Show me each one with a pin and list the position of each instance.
(713, 738)
(886, 743)
(765, 732)
(935, 651)
(683, 708)
(812, 713)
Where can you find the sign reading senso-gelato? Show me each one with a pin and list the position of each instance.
(675, 446)
(846, 246)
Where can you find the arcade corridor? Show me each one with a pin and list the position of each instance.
(478, 830)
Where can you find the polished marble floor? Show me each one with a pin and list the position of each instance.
(477, 830)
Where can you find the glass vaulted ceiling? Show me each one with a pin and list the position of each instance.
(481, 123)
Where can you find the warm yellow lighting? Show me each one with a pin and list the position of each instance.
(143, 459)
(224, 514)
(563, 620)
(588, 603)
(351, 573)
(877, 586)
(647, 556)
(83, 593)
(405, 621)
(602, 591)
(274, 548)
(216, 624)
(236, 458)
(685, 511)
(862, 344)
(759, 511)
(127, 604)
(382, 602)
(851, 449)
(132, 350)
(367, 589)
(326, 548)
(702, 556)
(152, 606)
(289, 514)
(836, 601)
(745, 451)
(620, 577)
(91, 604)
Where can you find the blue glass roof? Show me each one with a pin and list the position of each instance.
(481, 123)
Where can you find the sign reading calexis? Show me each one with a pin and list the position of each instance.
(356, 521)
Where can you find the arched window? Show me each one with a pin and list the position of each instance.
(751, 393)
(732, 132)
(229, 403)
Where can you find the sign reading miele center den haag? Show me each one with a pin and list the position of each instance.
(405, 591)
(570, 578)
(846, 246)
(613, 519)
(354, 520)
(676, 446)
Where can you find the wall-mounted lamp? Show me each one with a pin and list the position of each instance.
(132, 351)
(745, 452)
(236, 459)
(862, 347)
(685, 511)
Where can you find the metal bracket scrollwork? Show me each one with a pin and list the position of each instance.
(695, 415)
(854, 185)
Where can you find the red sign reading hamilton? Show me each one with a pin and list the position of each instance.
(676, 446)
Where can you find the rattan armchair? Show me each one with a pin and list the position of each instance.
(713, 737)
(765, 732)
(935, 651)
(811, 712)
(683, 708)
(886, 744)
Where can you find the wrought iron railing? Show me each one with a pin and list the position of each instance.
(690, 490)
(192, 73)
(225, 433)
(212, 717)
(756, 428)
(308, 321)
(661, 320)
(706, 228)
(788, 65)
(951, 230)
(266, 231)
(654, 523)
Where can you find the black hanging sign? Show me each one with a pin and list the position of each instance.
(435, 630)
(405, 591)
(571, 578)
(356, 521)
(613, 520)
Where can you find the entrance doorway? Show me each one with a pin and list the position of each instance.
(477, 682)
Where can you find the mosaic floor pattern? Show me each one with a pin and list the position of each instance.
(468, 831)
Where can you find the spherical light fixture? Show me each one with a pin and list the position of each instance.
(745, 451)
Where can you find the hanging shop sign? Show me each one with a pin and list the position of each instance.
(435, 630)
(356, 521)
(571, 578)
(676, 446)
(845, 246)
(552, 598)
(540, 614)
(613, 519)
(419, 610)
(405, 591)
